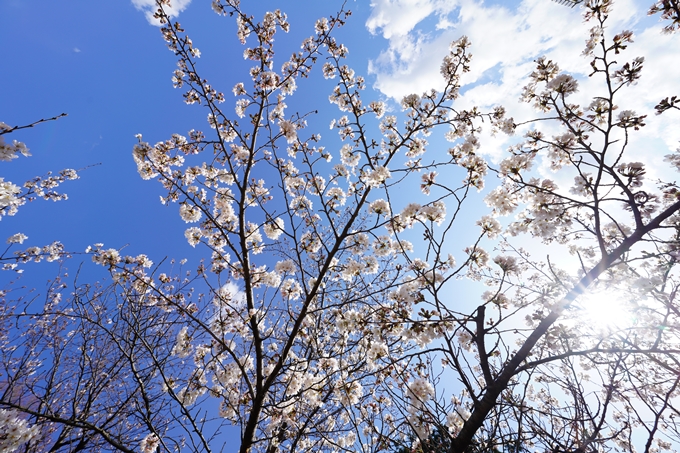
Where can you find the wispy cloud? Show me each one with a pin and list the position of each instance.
(149, 8)
(76, 50)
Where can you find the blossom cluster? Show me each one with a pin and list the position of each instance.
(149, 444)
(49, 253)
(15, 431)
(11, 196)
(10, 151)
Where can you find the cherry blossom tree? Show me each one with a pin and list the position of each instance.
(559, 383)
(318, 323)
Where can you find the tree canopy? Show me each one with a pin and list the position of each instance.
(327, 313)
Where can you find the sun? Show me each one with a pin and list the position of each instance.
(606, 310)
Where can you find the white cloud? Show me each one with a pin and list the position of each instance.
(505, 43)
(499, 37)
(149, 8)
(398, 17)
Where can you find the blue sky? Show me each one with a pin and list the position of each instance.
(109, 69)
(106, 66)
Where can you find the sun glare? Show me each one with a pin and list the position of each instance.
(605, 310)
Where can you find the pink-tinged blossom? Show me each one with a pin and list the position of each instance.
(109, 257)
(593, 40)
(271, 279)
(239, 89)
(9, 151)
(49, 253)
(378, 108)
(290, 289)
(241, 106)
(388, 123)
(380, 207)
(397, 224)
(289, 130)
(336, 197)
(563, 84)
(193, 236)
(673, 159)
(560, 153)
(348, 321)
(348, 395)
(490, 226)
(410, 212)
(582, 185)
(508, 264)
(377, 350)
(383, 246)
(321, 26)
(478, 256)
(230, 295)
(456, 419)
(516, 164)
(285, 267)
(352, 269)
(358, 243)
(182, 346)
(328, 72)
(371, 265)
(316, 185)
(240, 153)
(15, 431)
(628, 118)
(274, 229)
(428, 179)
(420, 391)
(149, 444)
(416, 147)
(141, 260)
(502, 201)
(254, 238)
(190, 213)
(310, 242)
(9, 202)
(435, 212)
(410, 101)
(299, 205)
(18, 238)
(349, 156)
(465, 339)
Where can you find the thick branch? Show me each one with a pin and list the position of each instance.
(493, 391)
(479, 339)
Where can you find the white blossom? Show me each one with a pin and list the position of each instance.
(18, 238)
(193, 235)
(490, 226)
(190, 213)
(9, 152)
(289, 130)
(420, 391)
(182, 346)
(563, 84)
(149, 444)
(274, 229)
(15, 431)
